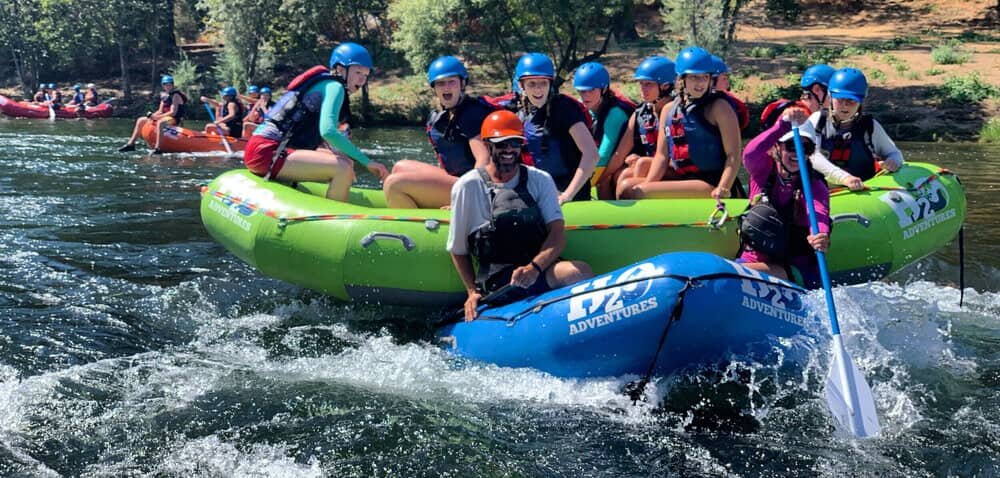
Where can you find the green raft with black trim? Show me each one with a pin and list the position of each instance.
(360, 250)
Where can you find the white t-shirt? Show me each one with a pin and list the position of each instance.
(883, 145)
(471, 209)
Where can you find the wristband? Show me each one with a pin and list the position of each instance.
(537, 267)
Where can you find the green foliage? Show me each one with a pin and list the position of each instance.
(710, 24)
(852, 51)
(991, 131)
(631, 90)
(768, 92)
(241, 22)
(912, 75)
(421, 32)
(786, 9)
(185, 73)
(737, 83)
(807, 58)
(934, 72)
(877, 76)
(949, 54)
(762, 52)
(970, 88)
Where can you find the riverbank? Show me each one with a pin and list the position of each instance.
(933, 65)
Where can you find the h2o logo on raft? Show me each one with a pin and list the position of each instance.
(770, 296)
(607, 305)
(921, 210)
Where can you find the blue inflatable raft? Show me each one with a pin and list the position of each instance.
(655, 316)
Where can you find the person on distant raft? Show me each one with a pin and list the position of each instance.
(722, 85)
(656, 76)
(77, 98)
(40, 94)
(228, 113)
(55, 97)
(609, 111)
(255, 116)
(507, 216)
(91, 97)
(300, 141)
(453, 130)
(853, 140)
(251, 98)
(698, 144)
(170, 113)
(774, 232)
(557, 127)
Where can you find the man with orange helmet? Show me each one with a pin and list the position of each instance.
(507, 215)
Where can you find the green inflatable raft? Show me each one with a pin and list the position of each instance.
(363, 251)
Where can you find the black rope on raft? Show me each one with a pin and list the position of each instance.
(635, 388)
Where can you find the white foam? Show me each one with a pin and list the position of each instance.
(211, 456)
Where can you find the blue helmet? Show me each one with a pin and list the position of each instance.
(656, 68)
(819, 73)
(591, 76)
(166, 80)
(694, 60)
(720, 66)
(265, 91)
(52, 86)
(849, 83)
(77, 87)
(252, 89)
(445, 67)
(350, 54)
(228, 91)
(534, 65)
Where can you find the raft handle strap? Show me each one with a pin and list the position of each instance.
(719, 216)
(635, 388)
(371, 237)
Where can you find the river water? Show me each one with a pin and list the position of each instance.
(132, 344)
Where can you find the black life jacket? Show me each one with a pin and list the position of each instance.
(298, 121)
(91, 98)
(39, 97)
(773, 229)
(851, 149)
(167, 101)
(514, 235)
(450, 142)
(545, 150)
(57, 100)
(645, 129)
(235, 125)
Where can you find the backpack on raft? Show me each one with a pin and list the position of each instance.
(764, 229)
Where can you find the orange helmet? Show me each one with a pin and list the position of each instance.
(501, 125)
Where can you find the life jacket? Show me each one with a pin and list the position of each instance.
(449, 140)
(773, 229)
(39, 97)
(645, 130)
(57, 100)
(514, 235)
(696, 144)
(256, 114)
(296, 119)
(620, 101)
(235, 125)
(742, 112)
(505, 101)
(545, 151)
(90, 99)
(77, 98)
(167, 100)
(773, 111)
(851, 149)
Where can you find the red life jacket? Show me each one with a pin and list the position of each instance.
(774, 109)
(742, 112)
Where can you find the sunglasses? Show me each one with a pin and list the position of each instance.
(512, 143)
(807, 147)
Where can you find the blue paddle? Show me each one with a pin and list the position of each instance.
(211, 114)
(847, 392)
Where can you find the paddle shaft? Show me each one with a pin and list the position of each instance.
(52, 111)
(211, 114)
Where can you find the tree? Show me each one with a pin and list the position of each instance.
(710, 24)
(244, 25)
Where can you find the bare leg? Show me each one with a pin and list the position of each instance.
(686, 188)
(160, 126)
(564, 273)
(772, 269)
(428, 187)
(632, 175)
(409, 166)
(139, 123)
(320, 165)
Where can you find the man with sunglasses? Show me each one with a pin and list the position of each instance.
(507, 216)
(774, 231)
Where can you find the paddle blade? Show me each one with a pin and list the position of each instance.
(849, 396)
